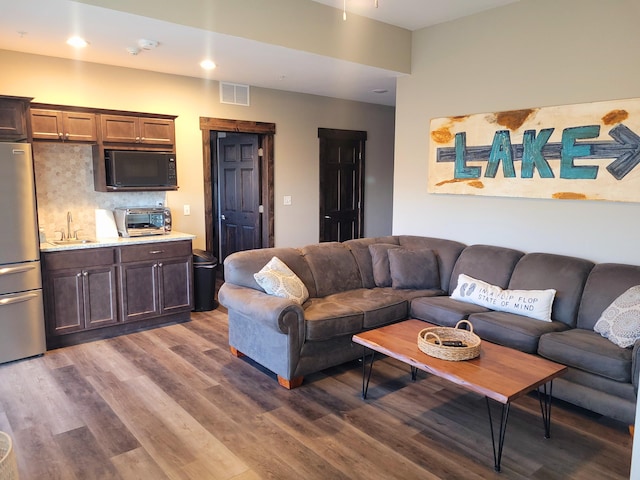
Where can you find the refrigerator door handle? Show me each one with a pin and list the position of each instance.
(21, 298)
(20, 269)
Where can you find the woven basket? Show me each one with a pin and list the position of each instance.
(8, 464)
(430, 342)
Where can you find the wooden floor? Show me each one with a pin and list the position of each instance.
(173, 403)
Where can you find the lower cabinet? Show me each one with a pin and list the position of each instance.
(81, 299)
(155, 288)
(100, 292)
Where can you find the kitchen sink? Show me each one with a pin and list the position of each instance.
(72, 241)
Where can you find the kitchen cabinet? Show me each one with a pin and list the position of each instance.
(155, 279)
(137, 130)
(80, 290)
(60, 125)
(100, 292)
(13, 119)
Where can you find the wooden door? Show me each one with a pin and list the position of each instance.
(341, 184)
(240, 193)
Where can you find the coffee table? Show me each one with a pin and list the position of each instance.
(500, 373)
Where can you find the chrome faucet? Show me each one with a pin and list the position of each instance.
(69, 221)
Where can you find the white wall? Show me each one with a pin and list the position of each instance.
(532, 53)
(297, 118)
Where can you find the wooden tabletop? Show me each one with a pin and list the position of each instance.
(500, 373)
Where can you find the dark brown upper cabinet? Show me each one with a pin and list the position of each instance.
(13, 119)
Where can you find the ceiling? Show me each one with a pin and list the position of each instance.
(42, 27)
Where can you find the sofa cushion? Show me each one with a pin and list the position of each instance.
(447, 252)
(334, 268)
(413, 268)
(620, 322)
(378, 308)
(529, 303)
(278, 279)
(511, 330)
(566, 275)
(442, 310)
(380, 262)
(491, 264)
(588, 351)
(325, 319)
(239, 267)
(606, 282)
(360, 250)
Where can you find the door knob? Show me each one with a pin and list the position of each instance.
(222, 217)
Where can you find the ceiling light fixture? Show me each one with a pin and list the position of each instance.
(208, 64)
(77, 42)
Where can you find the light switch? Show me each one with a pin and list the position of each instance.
(187, 210)
(287, 199)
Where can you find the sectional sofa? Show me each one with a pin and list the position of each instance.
(367, 283)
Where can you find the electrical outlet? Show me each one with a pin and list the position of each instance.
(187, 210)
(287, 199)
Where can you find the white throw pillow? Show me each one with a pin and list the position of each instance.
(620, 321)
(535, 304)
(276, 278)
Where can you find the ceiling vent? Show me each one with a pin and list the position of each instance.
(234, 94)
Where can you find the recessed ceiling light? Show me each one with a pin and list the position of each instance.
(207, 64)
(77, 42)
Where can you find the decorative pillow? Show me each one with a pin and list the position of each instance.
(535, 304)
(413, 268)
(278, 279)
(620, 321)
(380, 262)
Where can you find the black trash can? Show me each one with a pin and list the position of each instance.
(204, 280)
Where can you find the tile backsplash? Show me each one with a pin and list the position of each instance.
(64, 183)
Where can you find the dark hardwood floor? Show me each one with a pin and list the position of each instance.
(173, 403)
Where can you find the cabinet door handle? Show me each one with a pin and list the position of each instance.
(155, 252)
(21, 298)
(21, 269)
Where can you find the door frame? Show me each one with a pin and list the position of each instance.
(265, 131)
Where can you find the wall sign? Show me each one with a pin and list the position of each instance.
(588, 151)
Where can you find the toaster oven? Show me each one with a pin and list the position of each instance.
(142, 221)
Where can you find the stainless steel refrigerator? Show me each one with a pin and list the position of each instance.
(22, 331)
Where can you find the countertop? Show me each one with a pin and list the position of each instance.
(116, 242)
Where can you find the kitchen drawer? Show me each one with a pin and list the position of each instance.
(78, 258)
(150, 251)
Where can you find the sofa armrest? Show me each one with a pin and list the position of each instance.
(280, 314)
(635, 366)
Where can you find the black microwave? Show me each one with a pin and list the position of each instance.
(140, 170)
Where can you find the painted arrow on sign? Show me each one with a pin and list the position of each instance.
(625, 149)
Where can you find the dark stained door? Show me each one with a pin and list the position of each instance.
(341, 184)
(240, 193)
